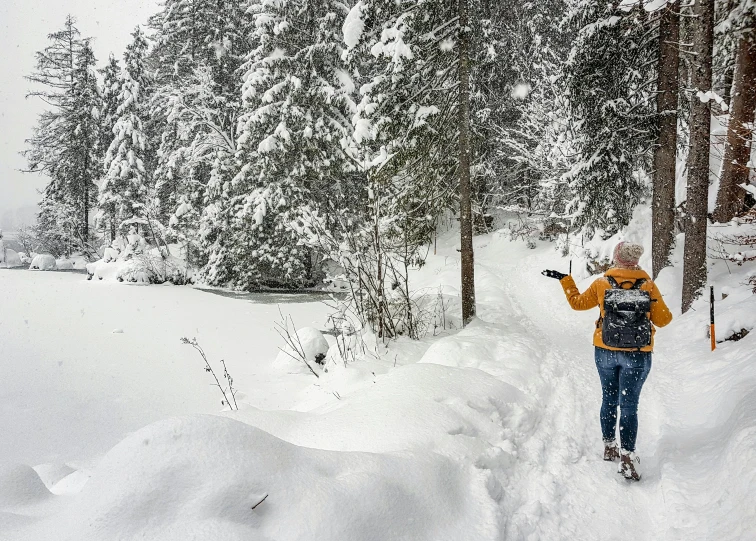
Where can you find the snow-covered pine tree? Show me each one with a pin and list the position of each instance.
(199, 47)
(64, 143)
(125, 188)
(111, 88)
(407, 121)
(84, 146)
(610, 75)
(293, 147)
(530, 133)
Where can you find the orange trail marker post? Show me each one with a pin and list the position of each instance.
(711, 329)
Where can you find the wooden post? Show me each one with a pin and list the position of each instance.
(711, 328)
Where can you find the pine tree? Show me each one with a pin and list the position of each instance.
(609, 75)
(531, 133)
(199, 48)
(84, 145)
(697, 201)
(407, 120)
(126, 183)
(294, 151)
(64, 143)
(111, 87)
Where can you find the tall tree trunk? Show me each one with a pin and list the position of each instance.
(694, 269)
(85, 217)
(731, 196)
(665, 153)
(465, 204)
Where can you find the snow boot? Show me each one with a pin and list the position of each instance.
(628, 465)
(611, 450)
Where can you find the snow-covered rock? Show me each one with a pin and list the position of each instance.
(43, 262)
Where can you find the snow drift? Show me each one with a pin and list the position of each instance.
(199, 478)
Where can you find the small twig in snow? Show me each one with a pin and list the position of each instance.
(258, 503)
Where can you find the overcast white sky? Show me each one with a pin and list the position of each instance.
(24, 25)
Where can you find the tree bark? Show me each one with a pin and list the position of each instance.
(694, 268)
(665, 153)
(465, 204)
(735, 171)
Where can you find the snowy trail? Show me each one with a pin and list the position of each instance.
(559, 487)
(500, 419)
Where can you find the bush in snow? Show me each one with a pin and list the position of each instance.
(11, 258)
(225, 391)
(43, 262)
(307, 346)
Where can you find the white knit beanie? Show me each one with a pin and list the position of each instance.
(627, 254)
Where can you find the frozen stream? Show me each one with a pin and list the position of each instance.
(84, 363)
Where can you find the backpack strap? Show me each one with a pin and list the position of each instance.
(619, 285)
(638, 283)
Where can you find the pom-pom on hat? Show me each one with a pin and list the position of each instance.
(627, 254)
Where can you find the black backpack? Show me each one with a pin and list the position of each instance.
(626, 323)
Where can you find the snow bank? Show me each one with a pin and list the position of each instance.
(43, 262)
(200, 478)
(19, 486)
(462, 413)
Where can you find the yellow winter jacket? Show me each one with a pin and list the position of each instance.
(594, 296)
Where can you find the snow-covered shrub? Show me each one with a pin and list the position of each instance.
(129, 259)
(306, 347)
(43, 262)
(134, 271)
(155, 268)
(11, 259)
(65, 264)
(376, 260)
(736, 242)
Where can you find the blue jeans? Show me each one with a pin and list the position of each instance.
(622, 374)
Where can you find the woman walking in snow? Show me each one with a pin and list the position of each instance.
(631, 307)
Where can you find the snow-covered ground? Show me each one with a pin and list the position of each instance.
(86, 362)
(486, 433)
